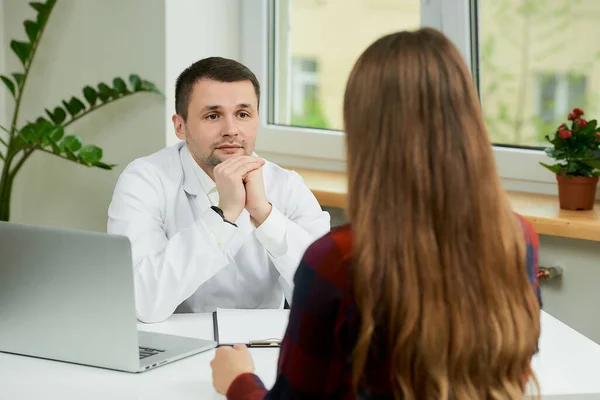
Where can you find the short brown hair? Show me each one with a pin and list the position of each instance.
(215, 68)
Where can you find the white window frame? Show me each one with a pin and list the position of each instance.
(519, 168)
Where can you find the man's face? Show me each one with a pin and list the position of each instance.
(221, 123)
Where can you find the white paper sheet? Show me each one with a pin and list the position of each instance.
(247, 326)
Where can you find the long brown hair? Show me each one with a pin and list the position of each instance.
(438, 257)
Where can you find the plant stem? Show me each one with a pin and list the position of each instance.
(6, 179)
(3, 141)
(5, 187)
(26, 154)
(5, 199)
(34, 47)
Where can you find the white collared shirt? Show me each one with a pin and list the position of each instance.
(186, 257)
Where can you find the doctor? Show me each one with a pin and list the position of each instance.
(212, 224)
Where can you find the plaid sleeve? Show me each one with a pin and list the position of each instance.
(532, 245)
(310, 366)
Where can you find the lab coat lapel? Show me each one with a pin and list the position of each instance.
(197, 199)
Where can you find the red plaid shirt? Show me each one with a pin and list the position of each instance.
(316, 352)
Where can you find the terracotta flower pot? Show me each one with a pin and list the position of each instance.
(576, 192)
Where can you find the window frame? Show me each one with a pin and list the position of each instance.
(519, 168)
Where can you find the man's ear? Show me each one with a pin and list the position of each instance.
(179, 126)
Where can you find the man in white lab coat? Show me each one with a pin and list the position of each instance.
(212, 224)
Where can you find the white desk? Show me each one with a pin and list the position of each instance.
(568, 366)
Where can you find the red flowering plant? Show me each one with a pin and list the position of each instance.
(575, 147)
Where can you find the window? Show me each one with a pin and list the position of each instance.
(556, 95)
(305, 104)
(302, 52)
(536, 65)
(315, 47)
(529, 59)
(547, 97)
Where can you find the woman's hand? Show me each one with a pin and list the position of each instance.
(228, 364)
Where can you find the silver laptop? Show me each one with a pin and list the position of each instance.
(68, 295)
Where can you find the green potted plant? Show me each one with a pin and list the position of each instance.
(47, 133)
(575, 147)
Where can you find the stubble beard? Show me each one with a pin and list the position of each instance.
(213, 160)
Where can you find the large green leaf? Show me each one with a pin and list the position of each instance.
(37, 132)
(70, 143)
(105, 92)
(102, 165)
(30, 133)
(90, 154)
(39, 7)
(45, 129)
(32, 30)
(148, 86)
(57, 133)
(90, 95)
(41, 132)
(22, 50)
(55, 147)
(18, 143)
(593, 163)
(136, 82)
(52, 136)
(556, 168)
(74, 106)
(18, 78)
(591, 126)
(58, 116)
(9, 84)
(555, 153)
(573, 169)
(70, 155)
(43, 10)
(120, 86)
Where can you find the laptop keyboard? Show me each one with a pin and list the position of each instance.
(147, 352)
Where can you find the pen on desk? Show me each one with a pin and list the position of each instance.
(265, 343)
(215, 327)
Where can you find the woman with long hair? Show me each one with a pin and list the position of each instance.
(431, 291)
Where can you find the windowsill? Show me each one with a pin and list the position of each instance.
(542, 211)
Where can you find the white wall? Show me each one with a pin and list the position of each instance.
(197, 29)
(574, 297)
(87, 42)
(91, 41)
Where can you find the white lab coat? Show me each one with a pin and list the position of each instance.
(185, 257)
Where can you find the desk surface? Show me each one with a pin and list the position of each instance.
(542, 211)
(568, 366)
